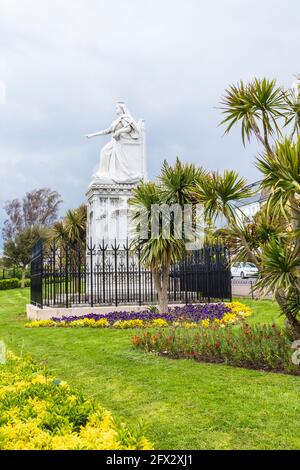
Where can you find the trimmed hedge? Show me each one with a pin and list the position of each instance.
(12, 283)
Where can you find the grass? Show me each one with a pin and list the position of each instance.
(264, 311)
(187, 405)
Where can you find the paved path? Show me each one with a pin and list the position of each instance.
(244, 288)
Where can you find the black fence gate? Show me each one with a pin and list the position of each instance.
(114, 275)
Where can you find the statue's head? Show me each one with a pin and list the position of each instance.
(120, 108)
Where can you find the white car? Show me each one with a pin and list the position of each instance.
(244, 270)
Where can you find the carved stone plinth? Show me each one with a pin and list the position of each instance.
(108, 217)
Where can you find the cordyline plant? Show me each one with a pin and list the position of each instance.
(271, 114)
(175, 185)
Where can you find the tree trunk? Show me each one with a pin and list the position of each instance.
(161, 284)
(23, 278)
(293, 323)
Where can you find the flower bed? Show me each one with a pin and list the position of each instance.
(187, 316)
(263, 347)
(38, 411)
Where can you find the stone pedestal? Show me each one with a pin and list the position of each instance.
(108, 217)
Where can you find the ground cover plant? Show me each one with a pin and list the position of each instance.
(39, 411)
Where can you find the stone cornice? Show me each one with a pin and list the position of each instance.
(99, 188)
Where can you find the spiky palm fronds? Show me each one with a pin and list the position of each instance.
(257, 105)
(280, 266)
(178, 182)
(219, 193)
(281, 173)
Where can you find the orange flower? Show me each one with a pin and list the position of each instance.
(136, 340)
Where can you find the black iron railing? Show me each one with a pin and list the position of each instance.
(114, 275)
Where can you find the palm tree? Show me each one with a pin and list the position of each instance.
(178, 182)
(71, 230)
(219, 194)
(257, 233)
(257, 105)
(176, 185)
(75, 225)
(281, 256)
(261, 106)
(57, 234)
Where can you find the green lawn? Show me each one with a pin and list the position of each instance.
(187, 405)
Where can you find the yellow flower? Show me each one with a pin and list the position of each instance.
(229, 318)
(64, 384)
(39, 379)
(124, 324)
(40, 324)
(102, 323)
(72, 398)
(240, 309)
(159, 322)
(77, 323)
(205, 323)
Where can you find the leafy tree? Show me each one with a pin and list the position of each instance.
(17, 252)
(37, 208)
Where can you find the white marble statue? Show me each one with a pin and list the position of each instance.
(122, 159)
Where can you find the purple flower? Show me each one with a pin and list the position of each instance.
(191, 312)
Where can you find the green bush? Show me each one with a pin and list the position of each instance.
(263, 347)
(13, 283)
(9, 283)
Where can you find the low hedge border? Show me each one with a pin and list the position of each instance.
(13, 283)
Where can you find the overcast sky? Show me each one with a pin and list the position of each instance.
(65, 63)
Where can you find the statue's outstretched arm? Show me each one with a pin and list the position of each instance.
(104, 132)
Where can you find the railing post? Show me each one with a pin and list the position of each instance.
(140, 284)
(127, 271)
(67, 276)
(115, 250)
(228, 266)
(90, 248)
(103, 251)
(79, 273)
(185, 281)
(41, 275)
(53, 273)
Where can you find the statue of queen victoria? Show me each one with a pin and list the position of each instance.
(122, 160)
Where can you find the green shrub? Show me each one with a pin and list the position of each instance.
(258, 347)
(9, 283)
(12, 283)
